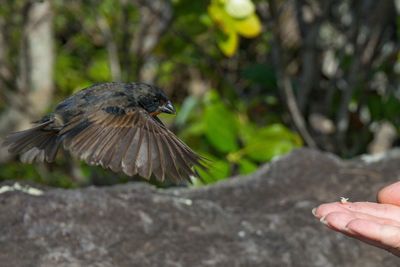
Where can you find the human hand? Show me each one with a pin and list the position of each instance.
(377, 224)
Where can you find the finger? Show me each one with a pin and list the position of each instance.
(390, 194)
(339, 220)
(324, 209)
(345, 222)
(387, 236)
(386, 211)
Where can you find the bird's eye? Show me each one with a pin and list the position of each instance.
(150, 104)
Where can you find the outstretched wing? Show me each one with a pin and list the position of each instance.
(129, 141)
(39, 143)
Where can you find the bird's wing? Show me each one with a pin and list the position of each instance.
(132, 142)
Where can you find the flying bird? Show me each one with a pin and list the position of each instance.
(114, 125)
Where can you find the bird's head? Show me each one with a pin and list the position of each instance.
(154, 100)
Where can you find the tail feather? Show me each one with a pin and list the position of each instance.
(35, 144)
(51, 148)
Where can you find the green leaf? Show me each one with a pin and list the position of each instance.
(261, 150)
(279, 131)
(218, 169)
(247, 131)
(270, 141)
(221, 128)
(194, 129)
(246, 166)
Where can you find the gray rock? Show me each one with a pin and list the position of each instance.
(261, 220)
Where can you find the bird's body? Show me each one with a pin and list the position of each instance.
(104, 95)
(114, 125)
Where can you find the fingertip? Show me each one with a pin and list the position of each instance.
(326, 208)
(319, 211)
(390, 194)
(314, 212)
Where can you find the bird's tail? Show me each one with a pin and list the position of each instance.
(35, 144)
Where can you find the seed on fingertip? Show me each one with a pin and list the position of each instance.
(344, 200)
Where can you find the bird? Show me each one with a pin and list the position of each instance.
(114, 125)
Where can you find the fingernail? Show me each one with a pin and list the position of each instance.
(323, 220)
(314, 212)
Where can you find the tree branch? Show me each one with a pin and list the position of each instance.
(284, 83)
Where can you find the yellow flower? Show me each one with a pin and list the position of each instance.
(234, 18)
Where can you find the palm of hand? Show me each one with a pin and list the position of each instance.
(377, 224)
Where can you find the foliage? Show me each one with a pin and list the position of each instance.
(222, 63)
(231, 142)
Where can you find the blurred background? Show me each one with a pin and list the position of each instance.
(251, 79)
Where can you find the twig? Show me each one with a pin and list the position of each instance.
(285, 86)
(297, 117)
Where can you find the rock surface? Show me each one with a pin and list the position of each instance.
(261, 220)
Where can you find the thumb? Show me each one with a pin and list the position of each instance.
(390, 194)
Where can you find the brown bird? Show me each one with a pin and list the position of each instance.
(114, 125)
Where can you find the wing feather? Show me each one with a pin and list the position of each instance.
(110, 148)
(131, 158)
(128, 157)
(120, 149)
(133, 142)
(157, 154)
(170, 158)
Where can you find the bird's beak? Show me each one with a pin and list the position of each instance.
(168, 108)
